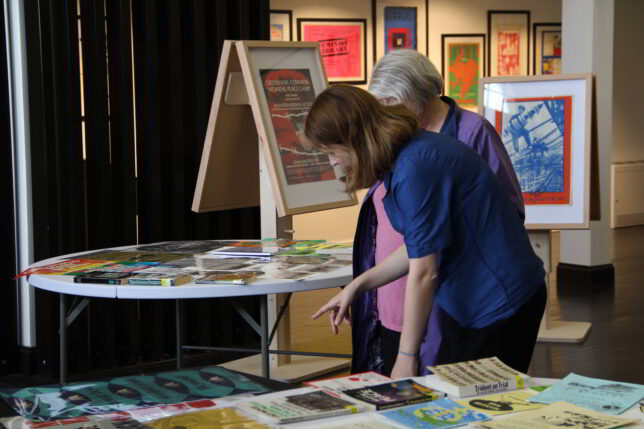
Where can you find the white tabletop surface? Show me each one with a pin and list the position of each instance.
(65, 284)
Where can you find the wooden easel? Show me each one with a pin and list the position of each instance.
(238, 159)
(550, 330)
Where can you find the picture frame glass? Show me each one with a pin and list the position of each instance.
(280, 26)
(547, 49)
(509, 39)
(543, 126)
(342, 47)
(400, 24)
(463, 65)
(288, 80)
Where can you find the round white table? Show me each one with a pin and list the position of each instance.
(64, 285)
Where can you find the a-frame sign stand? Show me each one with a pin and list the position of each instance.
(234, 173)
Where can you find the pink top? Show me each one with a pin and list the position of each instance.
(391, 297)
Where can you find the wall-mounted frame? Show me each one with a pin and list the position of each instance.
(546, 48)
(343, 46)
(462, 66)
(399, 24)
(508, 32)
(281, 25)
(279, 80)
(545, 125)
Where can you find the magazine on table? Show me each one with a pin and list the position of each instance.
(229, 277)
(393, 394)
(300, 407)
(441, 413)
(475, 377)
(557, 415)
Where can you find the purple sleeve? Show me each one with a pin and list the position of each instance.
(477, 133)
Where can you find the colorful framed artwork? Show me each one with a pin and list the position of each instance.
(462, 66)
(343, 46)
(546, 48)
(508, 32)
(400, 28)
(545, 125)
(399, 24)
(281, 28)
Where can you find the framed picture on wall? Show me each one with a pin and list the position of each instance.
(343, 46)
(462, 66)
(399, 24)
(281, 28)
(508, 32)
(545, 125)
(546, 48)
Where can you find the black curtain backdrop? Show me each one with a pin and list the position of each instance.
(141, 159)
(8, 313)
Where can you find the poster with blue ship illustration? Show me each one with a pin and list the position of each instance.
(536, 133)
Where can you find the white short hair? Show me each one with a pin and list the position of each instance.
(408, 77)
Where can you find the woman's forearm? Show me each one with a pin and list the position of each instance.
(419, 294)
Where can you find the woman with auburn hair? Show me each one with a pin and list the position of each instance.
(464, 245)
(407, 77)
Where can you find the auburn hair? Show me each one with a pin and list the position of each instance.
(372, 132)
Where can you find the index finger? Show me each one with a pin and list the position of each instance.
(321, 311)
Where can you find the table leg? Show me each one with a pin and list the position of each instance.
(63, 339)
(179, 335)
(263, 317)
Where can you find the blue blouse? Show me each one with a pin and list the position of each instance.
(443, 198)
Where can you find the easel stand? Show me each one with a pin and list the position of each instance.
(235, 173)
(554, 331)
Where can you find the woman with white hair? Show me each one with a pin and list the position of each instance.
(408, 77)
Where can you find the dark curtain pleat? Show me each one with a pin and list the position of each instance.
(57, 166)
(137, 179)
(119, 49)
(8, 313)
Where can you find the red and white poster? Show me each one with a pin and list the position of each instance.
(340, 48)
(289, 95)
(508, 52)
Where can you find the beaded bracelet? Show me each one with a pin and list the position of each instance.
(407, 354)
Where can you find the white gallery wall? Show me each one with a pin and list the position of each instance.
(627, 199)
(445, 16)
(468, 16)
(628, 86)
(587, 44)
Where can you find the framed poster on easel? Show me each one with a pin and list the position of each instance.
(545, 123)
(279, 80)
(253, 155)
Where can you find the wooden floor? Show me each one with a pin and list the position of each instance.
(614, 349)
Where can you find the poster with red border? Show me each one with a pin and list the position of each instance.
(536, 133)
(342, 47)
(509, 57)
(289, 96)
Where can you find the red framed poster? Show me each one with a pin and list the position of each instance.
(508, 58)
(508, 33)
(343, 46)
